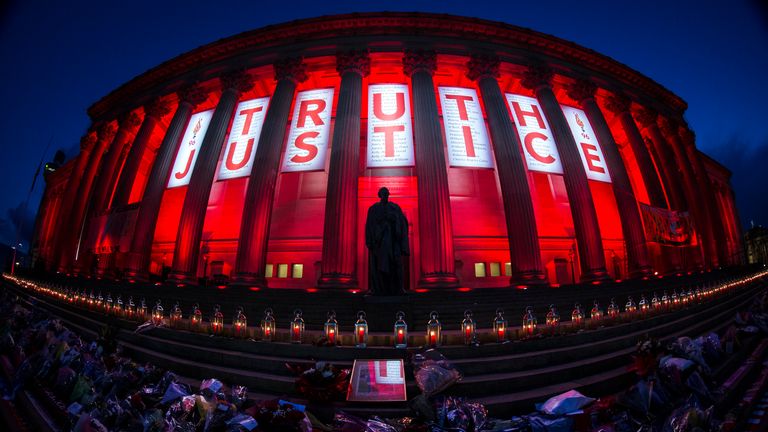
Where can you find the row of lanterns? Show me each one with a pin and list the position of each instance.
(331, 332)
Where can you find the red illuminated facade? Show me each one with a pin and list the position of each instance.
(518, 158)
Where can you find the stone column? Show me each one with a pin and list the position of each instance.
(701, 185)
(340, 229)
(631, 222)
(254, 230)
(82, 201)
(184, 270)
(620, 105)
(522, 234)
(588, 238)
(61, 235)
(435, 227)
(153, 112)
(144, 232)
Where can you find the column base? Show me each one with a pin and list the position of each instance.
(526, 279)
(134, 270)
(438, 280)
(248, 280)
(181, 278)
(595, 276)
(337, 280)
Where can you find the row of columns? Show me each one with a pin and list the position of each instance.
(339, 251)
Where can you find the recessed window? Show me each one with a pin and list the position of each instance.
(479, 270)
(495, 269)
(269, 270)
(282, 270)
(297, 271)
(507, 269)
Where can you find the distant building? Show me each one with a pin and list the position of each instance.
(756, 240)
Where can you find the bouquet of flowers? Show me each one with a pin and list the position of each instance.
(321, 383)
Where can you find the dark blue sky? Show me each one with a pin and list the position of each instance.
(60, 57)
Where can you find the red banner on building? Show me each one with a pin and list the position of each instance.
(667, 226)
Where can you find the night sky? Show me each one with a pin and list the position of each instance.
(60, 57)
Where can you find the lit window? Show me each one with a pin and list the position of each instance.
(297, 272)
(495, 269)
(507, 269)
(282, 270)
(479, 270)
(269, 270)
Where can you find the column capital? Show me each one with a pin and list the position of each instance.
(668, 126)
(107, 131)
(419, 60)
(357, 61)
(129, 121)
(618, 103)
(537, 75)
(291, 68)
(157, 108)
(582, 90)
(645, 117)
(88, 140)
(238, 80)
(483, 66)
(193, 95)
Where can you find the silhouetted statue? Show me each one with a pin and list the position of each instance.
(386, 236)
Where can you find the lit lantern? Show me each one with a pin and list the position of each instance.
(401, 330)
(130, 310)
(176, 315)
(99, 302)
(217, 320)
(468, 328)
(196, 317)
(643, 304)
(240, 324)
(665, 300)
(577, 316)
(157, 314)
(691, 295)
(655, 302)
(119, 307)
(596, 314)
(331, 328)
(297, 327)
(109, 303)
(361, 330)
(433, 330)
(553, 318)
(630, 308)
(268, 325)
(529, 322)
(675, 299)
(71, 296)
(500, 326)
(613, 309)
(699, 294)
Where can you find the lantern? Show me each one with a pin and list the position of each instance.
(217, 320)
(361, 330)
(500, 326)
(120, 307)
(665, 300)
(143, 310)
(655, 302)
(268, 325)
(675, 299)
(553, 318)
(297, 327)
(577, 316)
(529, 322)
(401, 330)
(690, 296)
(239, 324)
(698, 293)
(71, 296)
(643, 304)
(596, 314)
(157, 314)
(108, 304)
(331, 328)
(196, 317)
(433, 330)
(468, 328)
(613, 309)
(130, 310)
(99, 302)
(176, 315)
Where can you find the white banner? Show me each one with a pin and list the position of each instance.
(310, 128)
(390, 134)
(536, 137)
(243, 138)
(465, 132)
(589, 149)
(189, 149)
